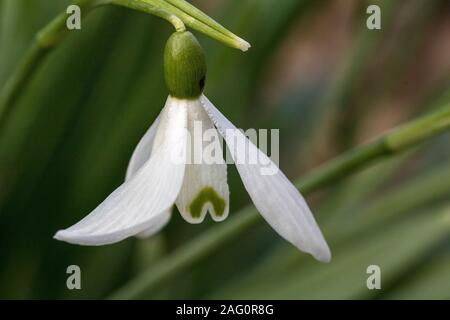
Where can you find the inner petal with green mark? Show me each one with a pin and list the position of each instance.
(205, 187)
(207, 196)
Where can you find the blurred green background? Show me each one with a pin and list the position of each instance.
(314, 71)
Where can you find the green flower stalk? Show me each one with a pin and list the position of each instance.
(189, 15)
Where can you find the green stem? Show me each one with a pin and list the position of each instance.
(193, 18)
(391, 143)
(45, 40)
(426, 188)
(154, 7)
(207, 25)
(19, 80)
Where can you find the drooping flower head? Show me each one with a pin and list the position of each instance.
(174, 165)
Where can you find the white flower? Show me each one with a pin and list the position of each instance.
(142, 205)
(154, 183)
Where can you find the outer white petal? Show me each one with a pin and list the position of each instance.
(278, 201)
(205, 185)
(157, 224)
(135, 205)
(143, 150)
(140, 156)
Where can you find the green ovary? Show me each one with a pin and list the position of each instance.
(210, 195)
(184, 66)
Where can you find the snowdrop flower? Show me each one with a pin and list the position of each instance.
(155, 182)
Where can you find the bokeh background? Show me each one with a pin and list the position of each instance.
(315, 72)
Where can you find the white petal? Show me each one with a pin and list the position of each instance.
(205, 185)
(158, 223)
(143, 150)
(275, 197)
(140, 156)
(134, 206)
